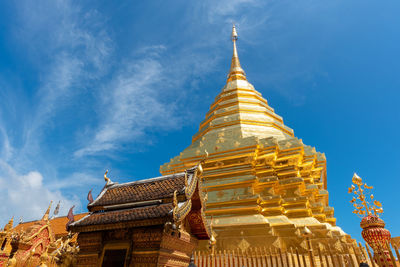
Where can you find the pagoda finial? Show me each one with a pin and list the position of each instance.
(234, 33)
(236, 72)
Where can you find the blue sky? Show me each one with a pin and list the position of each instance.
(93, 85)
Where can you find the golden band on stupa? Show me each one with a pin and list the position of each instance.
(264, 186)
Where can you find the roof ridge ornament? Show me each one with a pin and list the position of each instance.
(56, 210)
(46, 215)
(71, 217)
(9, 225)
(108, 180)
(90, 196)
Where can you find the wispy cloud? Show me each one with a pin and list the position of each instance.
(77, 46)
(75, 181)
(68, 47)
(132, 103)
(74, 46)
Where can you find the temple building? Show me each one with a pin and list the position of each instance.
(263, 184)
(152, 222)
(35, 244)
(146, 223)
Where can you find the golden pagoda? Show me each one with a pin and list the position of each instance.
(264, 185)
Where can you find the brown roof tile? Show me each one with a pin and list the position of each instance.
(144, 190)
(125, 215)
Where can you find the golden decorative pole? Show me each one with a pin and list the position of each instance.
(374, 232)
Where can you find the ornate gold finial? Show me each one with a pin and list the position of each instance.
(236, 72)
(108, 180)
(362, 206)
(46, 215)
(234, 35)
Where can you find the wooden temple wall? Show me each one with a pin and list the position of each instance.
(145, 247)
(261, 257)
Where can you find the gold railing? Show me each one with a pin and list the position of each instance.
(262, 257)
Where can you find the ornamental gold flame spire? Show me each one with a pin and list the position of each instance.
(236, 72)
(360, 202)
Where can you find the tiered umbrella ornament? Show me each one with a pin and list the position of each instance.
(369, 209)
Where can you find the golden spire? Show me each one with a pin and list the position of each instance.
(236, 72)
(360, 202)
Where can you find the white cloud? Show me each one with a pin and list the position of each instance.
(25, 195)
(34, 179)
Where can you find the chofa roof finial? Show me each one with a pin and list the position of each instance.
(46, 215)
(108, 180)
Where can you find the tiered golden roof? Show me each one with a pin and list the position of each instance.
(264, 185)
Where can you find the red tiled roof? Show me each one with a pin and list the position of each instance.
(57, 224)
